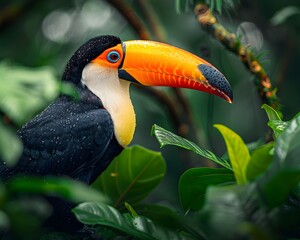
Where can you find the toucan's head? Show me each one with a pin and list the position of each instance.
(149, 63)
(105, 65)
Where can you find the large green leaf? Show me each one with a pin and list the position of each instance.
(53, 186)
(24, 91)
(10, 145)
(165, 137)
(284, 173)
(140, 227)
(237, 151)
(194, 182)
(131, 176)
(260, 160)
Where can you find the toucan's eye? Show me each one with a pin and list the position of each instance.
(113, 56)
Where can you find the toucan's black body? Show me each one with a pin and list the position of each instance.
(70, 138)
(74, 139)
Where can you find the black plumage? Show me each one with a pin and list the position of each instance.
(74, 139)
(70, 138)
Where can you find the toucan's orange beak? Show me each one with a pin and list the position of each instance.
(157, 64)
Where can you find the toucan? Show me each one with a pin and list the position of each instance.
(80, 138)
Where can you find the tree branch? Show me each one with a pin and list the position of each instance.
(152, 19)
(209, 22)
(132, 18)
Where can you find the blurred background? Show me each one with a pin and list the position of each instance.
(38, 37)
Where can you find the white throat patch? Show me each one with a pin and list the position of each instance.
(104, 82)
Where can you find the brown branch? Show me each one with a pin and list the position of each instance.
(209, 22)
(189, 127)
(132, 18)
(152, 19)
(166, 101)
(11, 12)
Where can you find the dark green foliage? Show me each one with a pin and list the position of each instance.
(24, 208)
(223, 209)
(194, 183)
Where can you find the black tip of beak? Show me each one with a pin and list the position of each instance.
(216, 79)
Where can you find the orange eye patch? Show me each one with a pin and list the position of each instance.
(111, 57)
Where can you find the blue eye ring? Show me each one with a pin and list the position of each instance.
(113, 56)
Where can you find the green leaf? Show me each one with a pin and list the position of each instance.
(194, 183)
(161, 215)
(165, 137)
(282, 15)
(254, 208)
(24, 91)
(275, 121)
(131, 210)
(92, 213)
(277, 126)
(131, 176)
(53, 186)
(271, 112)
(237, 151)
(211, 4)
(181, 6)
(219, 5)
(260, 160)
(169, 218)
(215, 5)
(10, 145)
(284, 173)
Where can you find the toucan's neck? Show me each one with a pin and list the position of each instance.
(114, 95)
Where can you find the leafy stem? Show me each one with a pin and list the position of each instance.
(210, 23)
